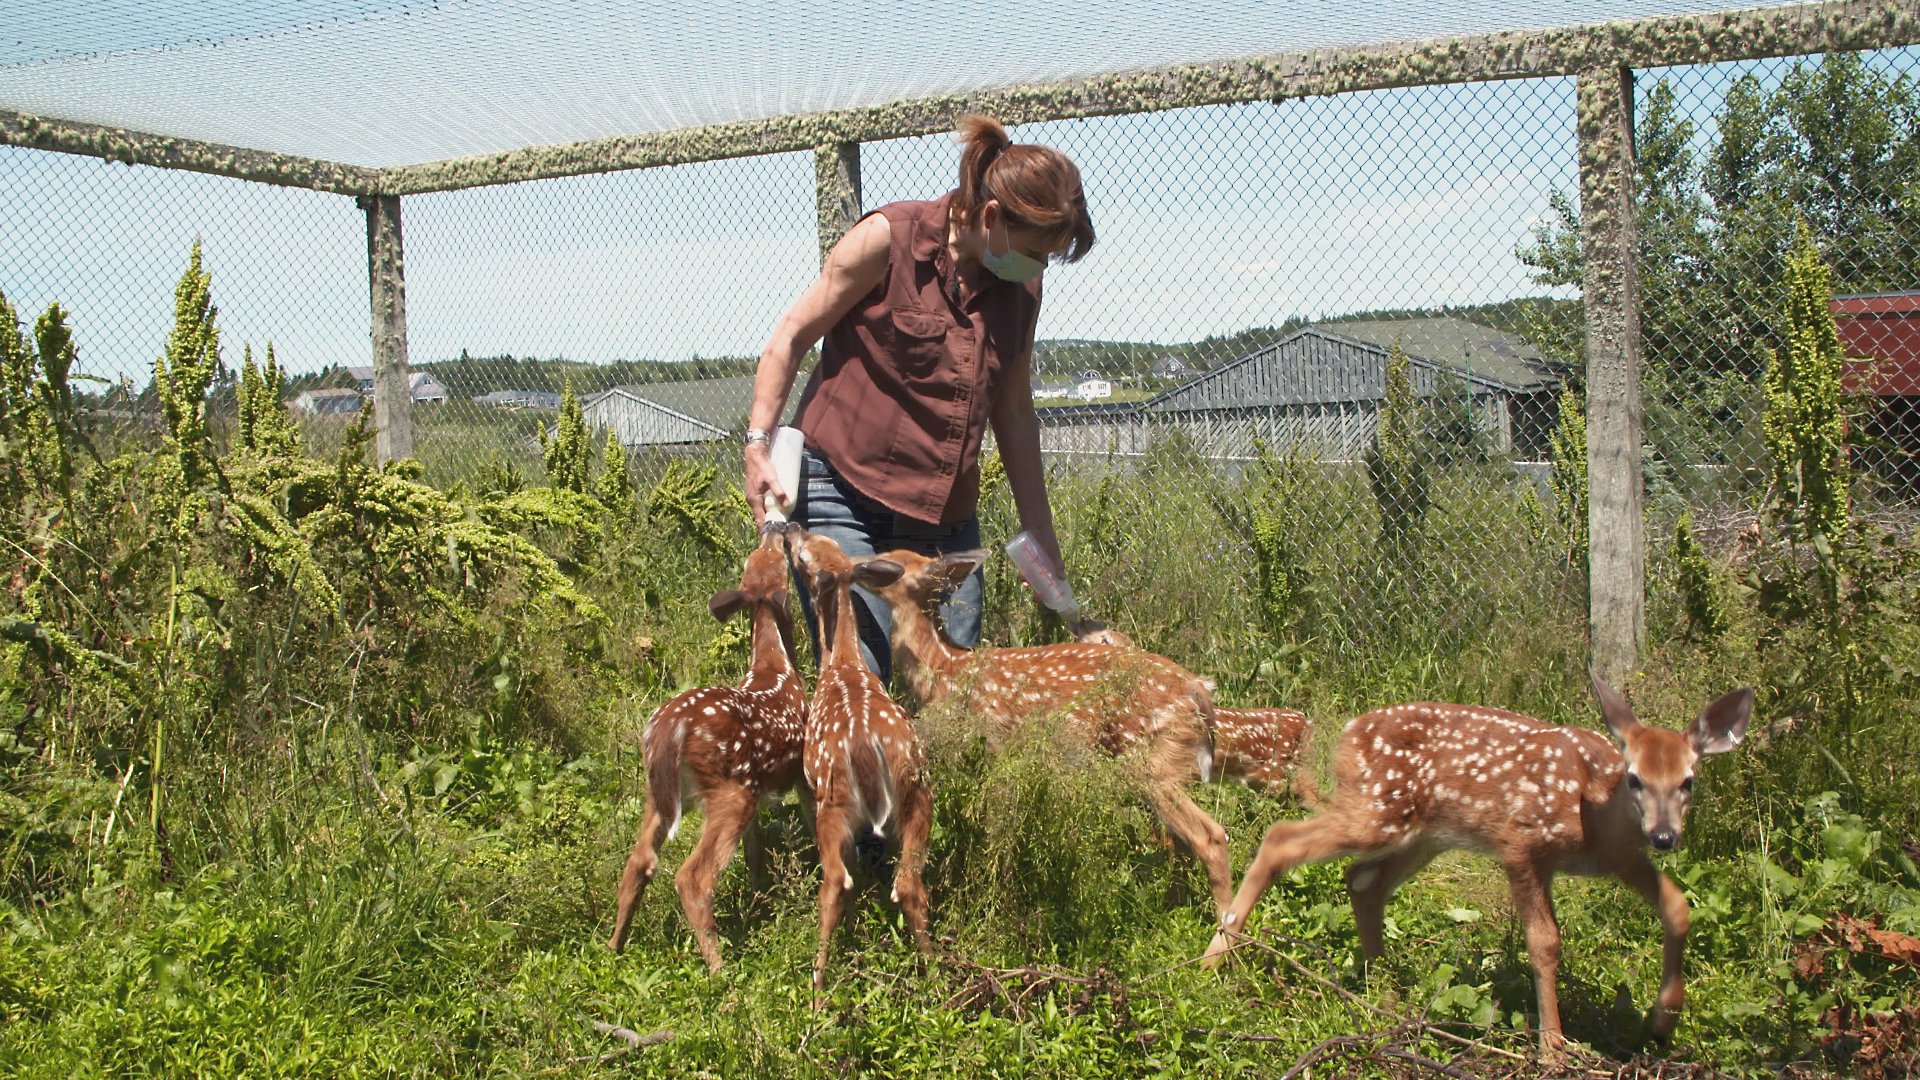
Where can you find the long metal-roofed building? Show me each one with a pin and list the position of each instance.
(1320, 389)
(666, 414)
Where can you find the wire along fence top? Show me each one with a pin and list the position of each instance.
(387, 84)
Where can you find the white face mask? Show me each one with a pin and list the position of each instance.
(1014, 266)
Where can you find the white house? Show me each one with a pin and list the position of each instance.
(426, 388)
(342, 402)
(1092, 386)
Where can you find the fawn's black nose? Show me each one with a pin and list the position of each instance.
(1663, 839)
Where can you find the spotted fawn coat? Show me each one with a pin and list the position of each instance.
(727, 748)
(1418, 779)
(864, 763)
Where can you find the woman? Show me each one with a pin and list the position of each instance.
(927, 310)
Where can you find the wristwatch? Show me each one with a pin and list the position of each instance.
(755, 435)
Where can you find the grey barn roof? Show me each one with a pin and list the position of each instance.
(1487, 359)
(719, 404)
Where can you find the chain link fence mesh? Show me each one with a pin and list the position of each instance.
(108, 243)
(1313, 381)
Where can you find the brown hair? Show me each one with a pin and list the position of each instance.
(1038, 186)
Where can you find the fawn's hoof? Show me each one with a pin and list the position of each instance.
(1216, 951)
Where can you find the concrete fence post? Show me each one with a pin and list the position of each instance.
(1616, 556)
(387, 280)
(836, 192)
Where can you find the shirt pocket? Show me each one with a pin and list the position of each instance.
(919, 342)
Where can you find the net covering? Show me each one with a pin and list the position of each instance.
(400, 83)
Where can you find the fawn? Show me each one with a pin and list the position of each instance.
(728, 748)
(1261, 748)
(1418, 779)
(864, 763)
(1165, 712)
(1258, 747)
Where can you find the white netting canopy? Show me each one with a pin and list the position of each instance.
(379, 84)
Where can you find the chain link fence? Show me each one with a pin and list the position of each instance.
(1313, 382)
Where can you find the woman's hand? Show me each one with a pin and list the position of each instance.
(763, 481)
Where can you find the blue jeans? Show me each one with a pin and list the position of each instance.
(830, 506)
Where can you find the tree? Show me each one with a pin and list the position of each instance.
(1834, 143)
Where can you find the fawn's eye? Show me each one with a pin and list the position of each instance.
(1686, 786)
(1633, 781)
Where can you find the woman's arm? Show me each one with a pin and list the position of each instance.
(1017, 431)
(856, 264)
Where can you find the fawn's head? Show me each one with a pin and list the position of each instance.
(827, 569)
(1659, 775)
(925, 579)
(763, 580)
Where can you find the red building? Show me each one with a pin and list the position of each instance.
(1883, 330)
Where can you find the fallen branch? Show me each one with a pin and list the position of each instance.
(633, 1039)
(1348, 995)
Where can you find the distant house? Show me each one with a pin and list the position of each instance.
(341, 402)
(1320, 388)
(520, 399)
(1882, 330)
(427, 389)
(1169, 367)
(1092, 386)
(675, 413)
(1043, 391)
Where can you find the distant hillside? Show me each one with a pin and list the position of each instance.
(1551, 325)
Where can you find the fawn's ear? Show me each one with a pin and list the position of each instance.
(956, 565)
(725, 605)
(1613, 708)
(878, 573)
(1722, 724)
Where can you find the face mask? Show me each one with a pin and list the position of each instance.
(1014, 266)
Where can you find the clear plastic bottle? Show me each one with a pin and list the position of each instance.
(785, 449)
(1049, 581)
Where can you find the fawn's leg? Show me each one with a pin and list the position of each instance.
(1169, 770)
(1287, 845)
(1180, 860)
(1671, 904)
(1194, 827)
(1533, 902)
(1370, 883)
(729, 812)
(832, 836)
(755, 849)
(642, 862)
(916, 822)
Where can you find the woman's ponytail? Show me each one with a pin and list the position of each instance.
(1038, 187)
(985, 140)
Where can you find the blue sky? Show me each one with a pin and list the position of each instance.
(1211, 221)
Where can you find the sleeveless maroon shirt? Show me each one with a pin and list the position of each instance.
(908, 378)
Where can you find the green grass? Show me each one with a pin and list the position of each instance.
(383, 839)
